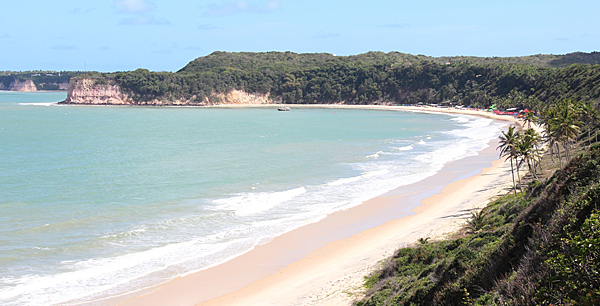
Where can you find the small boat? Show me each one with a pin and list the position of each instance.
(283, 109)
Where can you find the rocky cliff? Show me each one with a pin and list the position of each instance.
(53, 86)
(107, 92)
(242, 97)
(95, 91)
(29, 85)
(17, 85)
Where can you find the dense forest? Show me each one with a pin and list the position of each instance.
(372, 78)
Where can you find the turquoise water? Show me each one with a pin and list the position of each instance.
(99, 201)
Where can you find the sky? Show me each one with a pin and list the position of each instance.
(161, 35)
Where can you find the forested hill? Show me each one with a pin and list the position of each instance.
(294, 61)
(369, 78)
(42, 80)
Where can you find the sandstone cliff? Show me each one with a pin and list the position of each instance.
(63, 86)
(29, 85)
(53, 86)
(91, 91)
(107, 92)
(17, 85)
(242, 97)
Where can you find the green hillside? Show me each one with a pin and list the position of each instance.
(536, 246)
(370, 78)
(293, 61)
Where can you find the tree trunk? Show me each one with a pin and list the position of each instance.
(532, 170)
(512, 170)
(559, 157)
(519, 175)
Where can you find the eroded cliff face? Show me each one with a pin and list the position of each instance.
(17, 85)
(63, 86)
(91, 91)
(105, 92)
(242, 97)
(54, 86)
(29, 85)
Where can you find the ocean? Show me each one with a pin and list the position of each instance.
(100, 201)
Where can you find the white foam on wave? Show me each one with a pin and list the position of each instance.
(344, 181)
(253, 203)
(375, 173)
(406, 148)
(134, 232)
(102, 277)
(349, 180)
(40, 103)
(460, 119)
(466, 141)
(374, 155)
(477, 129)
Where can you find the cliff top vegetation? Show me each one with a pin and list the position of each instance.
(294, 61)
(43, 80)
(370, 78)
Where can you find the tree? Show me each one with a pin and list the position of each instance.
(530, 118)
(526, 149)
(565, 126)
(508, 149)
(588, 115)
(536, 140)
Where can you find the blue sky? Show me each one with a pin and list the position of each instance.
(161, 35)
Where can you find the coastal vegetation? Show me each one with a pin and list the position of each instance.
(43, 80)
(370, 78)
(536, 246)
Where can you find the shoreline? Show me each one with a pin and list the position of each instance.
(288, 270)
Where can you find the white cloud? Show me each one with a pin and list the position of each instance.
(242, 6)
(134, 6)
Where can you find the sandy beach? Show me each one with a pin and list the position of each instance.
(324, 263)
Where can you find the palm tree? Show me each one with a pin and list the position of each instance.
(530, 118)
(527, 151)
(478, 222)
(507, 146)
(589, 115)
(561, 126)
(547, 117)
(536, 140)
(566, 126)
